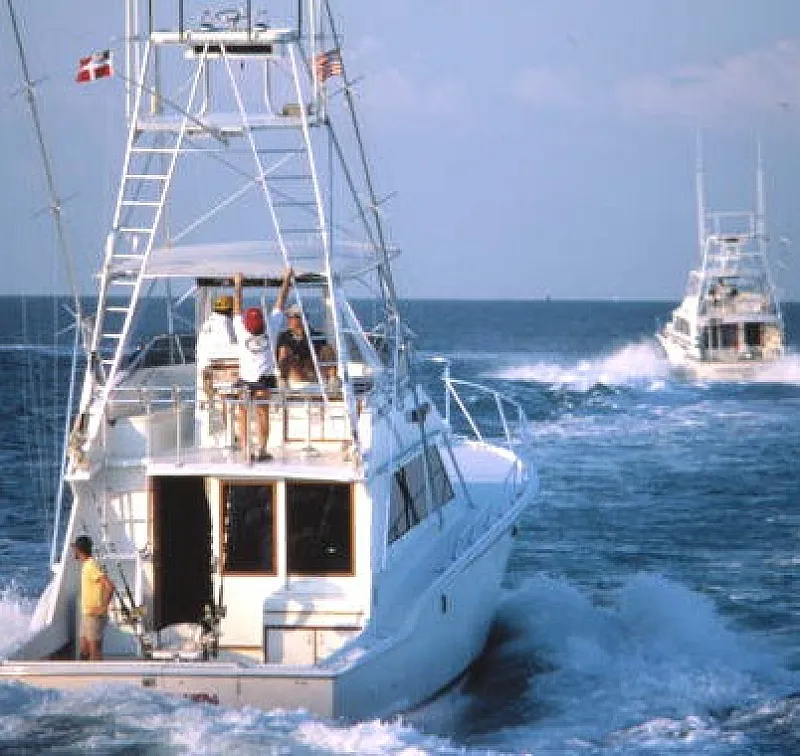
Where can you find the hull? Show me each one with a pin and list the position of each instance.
(372, 677)
(690, 366)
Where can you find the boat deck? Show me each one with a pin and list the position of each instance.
(289, 461)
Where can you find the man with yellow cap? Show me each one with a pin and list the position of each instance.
(216, 336)
(216, 344)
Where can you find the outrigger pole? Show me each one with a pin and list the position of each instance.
(390, 299)
(701, 192)
(55, 212)
(55, 201)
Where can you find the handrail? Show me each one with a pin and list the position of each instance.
(514, 428)
(128, 402)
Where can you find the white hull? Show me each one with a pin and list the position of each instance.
(375, 676)
(728, 326)
(692, 366)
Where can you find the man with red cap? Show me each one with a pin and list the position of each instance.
(257, 369)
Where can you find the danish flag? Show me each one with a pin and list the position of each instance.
(96, 66)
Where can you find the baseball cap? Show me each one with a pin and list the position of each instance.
(254, 320)
(223, 303)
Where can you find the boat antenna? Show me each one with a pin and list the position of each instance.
(55, 202)
(701, 191)
(761, 205)
(761, 227)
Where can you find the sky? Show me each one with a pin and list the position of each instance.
(531, 148)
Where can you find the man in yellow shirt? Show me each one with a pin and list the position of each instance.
(96, 592)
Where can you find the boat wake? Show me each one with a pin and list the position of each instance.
(15, 616)
(660, 666)
(651, 665)
(641, 365)
(785, 370)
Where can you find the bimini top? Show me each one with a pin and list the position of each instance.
(252, 258)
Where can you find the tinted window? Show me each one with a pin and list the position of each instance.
(409, 502)
(249, 528)
(319, 529)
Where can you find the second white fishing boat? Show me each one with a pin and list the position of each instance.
(728, 325)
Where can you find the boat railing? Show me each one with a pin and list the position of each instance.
(482, 412)
(743, 305)
(175, 420)
(748, 352)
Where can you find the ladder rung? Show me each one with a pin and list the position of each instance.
(122, 281)
(140, 203)
(133, 230)
(155, 150)
(147, 176)
(111, 308)
(128, 256)
(115, 336)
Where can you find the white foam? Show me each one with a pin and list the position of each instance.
(612, 671)
(142, 716)
(634, 364)
(15, 616)
(785, 370)
(373, 737)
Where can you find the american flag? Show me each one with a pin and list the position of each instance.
(328, 64)
(96, 66)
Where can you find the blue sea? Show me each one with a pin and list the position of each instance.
(651, 604)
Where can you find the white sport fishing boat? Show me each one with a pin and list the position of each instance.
(356, 572)
(728, 325)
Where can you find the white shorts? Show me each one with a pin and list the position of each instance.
(93, 626)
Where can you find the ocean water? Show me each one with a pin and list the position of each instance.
(652, 602)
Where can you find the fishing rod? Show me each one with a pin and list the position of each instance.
(126, 610)
(133, 614)
(128, 592)
(55, 207)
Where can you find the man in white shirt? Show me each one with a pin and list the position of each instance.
(257, 368)
(216, 337)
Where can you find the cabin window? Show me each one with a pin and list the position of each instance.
(319, 529)
(752, 334)
(409, 504)
(728, 336)
(248, 516)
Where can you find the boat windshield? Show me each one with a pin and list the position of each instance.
(164, 350)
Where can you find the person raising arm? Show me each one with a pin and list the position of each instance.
(257, 369)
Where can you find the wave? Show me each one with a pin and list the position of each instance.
(649, 664)
(113, 718)
(15, 615)
(632, 365)
(785, 370)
